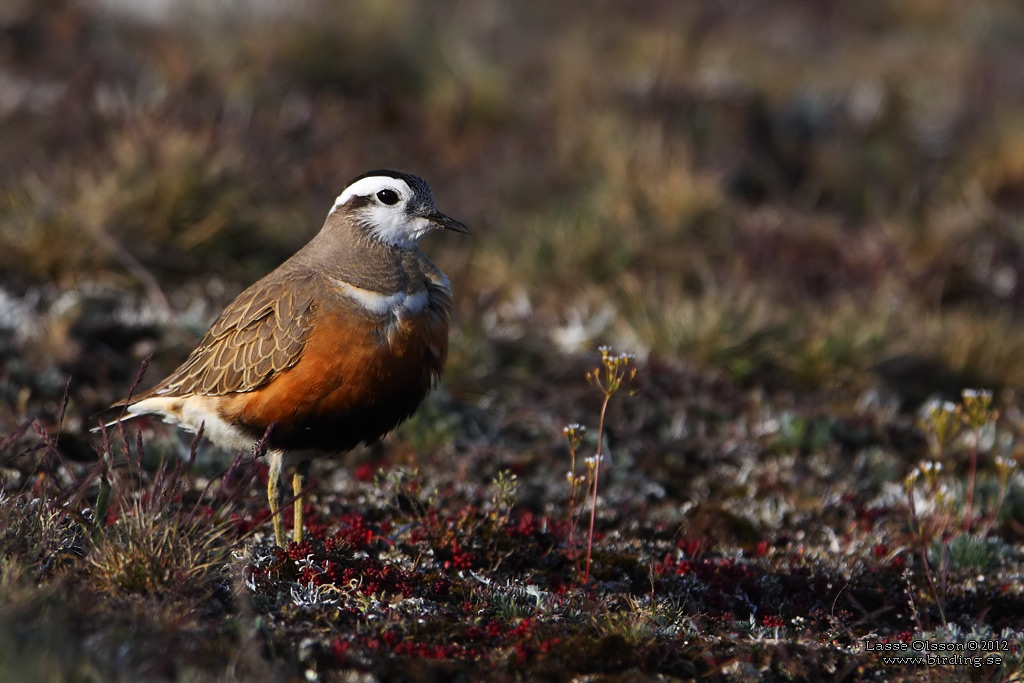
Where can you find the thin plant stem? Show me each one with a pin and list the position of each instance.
(572, 501)
(572, 525)
(593, 497)
(971, 474)
(923, 538)
(608, 378)
(574, 437)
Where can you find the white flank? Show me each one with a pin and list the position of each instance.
(399, 304)
(191, 412)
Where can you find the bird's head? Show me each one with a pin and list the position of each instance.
(393, 207)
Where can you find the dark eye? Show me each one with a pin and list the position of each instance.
(389, 197)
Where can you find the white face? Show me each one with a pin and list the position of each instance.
(387, 216)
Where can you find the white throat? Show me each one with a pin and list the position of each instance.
(394, 227)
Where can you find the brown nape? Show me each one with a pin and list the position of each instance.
(347, 388)
(343, 250)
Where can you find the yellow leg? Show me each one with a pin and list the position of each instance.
(299, 483)
(275, 495)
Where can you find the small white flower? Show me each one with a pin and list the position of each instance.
(977, 393)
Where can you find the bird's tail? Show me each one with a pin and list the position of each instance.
(108, 417)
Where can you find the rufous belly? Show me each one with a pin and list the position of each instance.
(355, 381)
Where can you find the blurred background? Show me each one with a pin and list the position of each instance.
(823, 195)
(804, 217)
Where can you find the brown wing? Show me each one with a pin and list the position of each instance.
(259, 334)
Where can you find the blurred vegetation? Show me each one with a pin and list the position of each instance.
(791, 190)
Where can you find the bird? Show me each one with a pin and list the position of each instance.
(334, 348)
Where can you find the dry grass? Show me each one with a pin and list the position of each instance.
(150, 550)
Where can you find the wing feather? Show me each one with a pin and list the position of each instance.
(259, 334)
